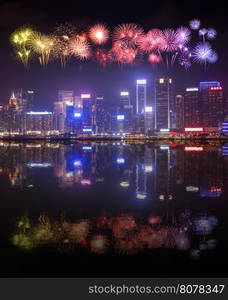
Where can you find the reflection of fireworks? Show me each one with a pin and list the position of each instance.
(99, 244)
(79, 48)
(123, 225)
(98, 34)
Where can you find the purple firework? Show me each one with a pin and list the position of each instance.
(213, 57)
(183, 35)
(202, 32)
(194, 24)
(202, 52)
(211, 33)
(169, 41)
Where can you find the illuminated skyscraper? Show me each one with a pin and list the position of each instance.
(192, 108)
(65, 96)
(164, 104)
(179, 109)
(39, 122)
(87, 112)
(124, 99)
(141, 95)
(211, 103)
(100, 114)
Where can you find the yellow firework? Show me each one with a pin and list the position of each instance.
(43, 46)
(21, 39)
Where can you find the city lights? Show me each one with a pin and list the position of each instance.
(85, 96)
(193, 129)
(192, 89)
(120, 160)
(193, 148)
(86, 148)
(164, 130)
(141, 81)
(148, 109)
(124, 93)
(39, 113)
(87, 130)
(120, 117)
(77, 115)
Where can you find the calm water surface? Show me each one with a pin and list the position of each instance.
(113, 209)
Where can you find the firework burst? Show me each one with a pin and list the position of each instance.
(99, 34)
(80, 48)
(183, 35)
(203, 53)
(194, 24)
(43, 46)
(169, 40)
(20, 40)
(150, 41)
(129, 33)
(103, 56)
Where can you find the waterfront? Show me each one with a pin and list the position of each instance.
(155, 209)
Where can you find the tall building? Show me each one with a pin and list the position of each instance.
(100, 114)
(39, 122)
(192, 113)
(87, 113)
(164, 104)
(148, 119)
(65, 96)
(179, 109)
(29, 97)
(124, 98)
(141, 96)
(208, 105)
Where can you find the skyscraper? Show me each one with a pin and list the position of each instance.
(210, 103)
(192, 113)
(100, 114)
(141, 95)
(164, 104)
(179, 109)
(87, 112)
(124, 98)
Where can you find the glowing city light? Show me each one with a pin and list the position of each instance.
(148, 109)
(39, 113)
(141, 81)
(77, 163)
(120, 160)
(164, 130)
(87, 129)
(194, 89)
(86, 148)
(120, 117)
(124, 184)
(124, 93)
(85, 96)
(193, 148)
(77, 115)
(193, 129)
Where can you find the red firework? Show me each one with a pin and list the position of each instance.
(103, 56)
(79, 48)
(150, 41)
(123, 54)
(154, 59)
(130, 33)
(169, 40)
(98, 34)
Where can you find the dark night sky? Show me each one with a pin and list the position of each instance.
(89, 76)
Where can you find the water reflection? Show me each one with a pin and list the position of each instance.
(123, 234)
(119, 199)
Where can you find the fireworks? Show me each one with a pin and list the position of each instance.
(21, 42)
(99, 34)
(211, 33)
(202, 53)
(150, 41)
(130, 34)
(129, 44)
(99, 244)
(169, 40)
(183, 35)
(43, 46)
(79, 48)
(194, 24)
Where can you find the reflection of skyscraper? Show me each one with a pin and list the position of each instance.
(164, 104)
(164, 169)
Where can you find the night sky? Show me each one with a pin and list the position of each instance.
(89, 76)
